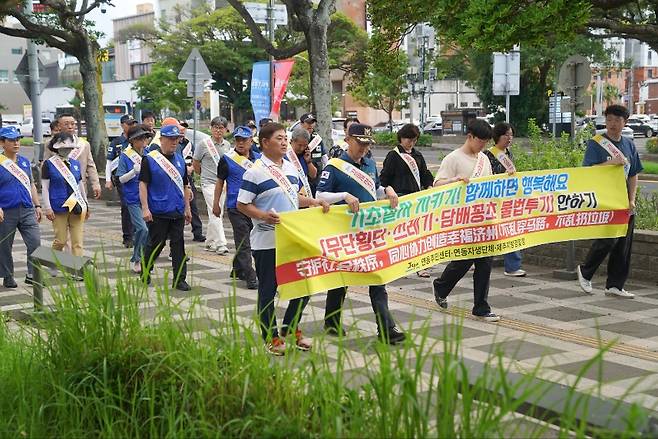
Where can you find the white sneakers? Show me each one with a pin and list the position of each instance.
(220, 250)
(616, 292)
(585, 285)
(515, 273)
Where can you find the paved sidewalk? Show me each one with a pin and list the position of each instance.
(544, 320)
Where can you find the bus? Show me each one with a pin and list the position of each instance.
(113, 113)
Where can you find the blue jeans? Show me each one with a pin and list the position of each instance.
(141, 231)
(512, 261)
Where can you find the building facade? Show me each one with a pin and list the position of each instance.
(132, 57)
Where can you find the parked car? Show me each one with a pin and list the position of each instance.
(27, 128)
(640, 127)
(8, 121)
(384, 127)
(433, 125)
(337, 130)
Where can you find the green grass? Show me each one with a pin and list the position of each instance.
(650, 167)
(95, 369)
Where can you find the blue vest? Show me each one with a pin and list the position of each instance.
(163, 196)
(12, 193)
(59, 189)
(131, 187)
(234, 179)
(335, 180)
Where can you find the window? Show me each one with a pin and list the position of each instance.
(17, 51)
(4, 76)
(139, 70)
(476, 105)
(650, 73)
(15, 78)
(463, 104)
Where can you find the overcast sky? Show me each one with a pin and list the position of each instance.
(122, 8)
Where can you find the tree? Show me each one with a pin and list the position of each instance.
(314, 23)
(161, 89)
(611, 94)
(64, 27)
(77, 101)
(383, 85)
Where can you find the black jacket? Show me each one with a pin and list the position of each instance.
(396, 172)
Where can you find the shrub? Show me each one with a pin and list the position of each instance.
(391, 139)
(652, 145)
(646, 211)
(549, 152)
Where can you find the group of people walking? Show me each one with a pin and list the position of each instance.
(252, 182)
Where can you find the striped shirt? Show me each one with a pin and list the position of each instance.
(258, 188)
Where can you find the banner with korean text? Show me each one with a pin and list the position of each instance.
(489, 216)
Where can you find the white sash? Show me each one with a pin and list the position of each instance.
(73, 184)
(411, 163)
(169, 169)
(187, 150)
(479, 165)
(292, 156)
(133, 155)
(212, 149)
(114, 164)
(355, 174)
(504, 159)
(241, 160)
(611, 149)
(282, 181)
(313, 145)
(77, 151)
(17, 172)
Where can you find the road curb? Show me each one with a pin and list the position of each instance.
(648, 177)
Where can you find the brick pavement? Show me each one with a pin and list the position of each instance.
(545, 322)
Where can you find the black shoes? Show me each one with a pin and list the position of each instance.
(183, 286)
(9, 282)
(392, 336)
(252, 285)
(128, 243)
(29, 280)
(236, 274)
(335, 330)
(200, 238)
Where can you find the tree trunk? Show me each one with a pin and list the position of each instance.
(95, 114)
(316, 38)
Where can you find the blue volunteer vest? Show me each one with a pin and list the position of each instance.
(131, 187)
(60, 190)
(234, 179)
(163, 196)
(12, 193)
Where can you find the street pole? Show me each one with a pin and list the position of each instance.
(35, 93)
(507, 55)
(270, 31)
(195, 91)
(555, 103)
(422, 75)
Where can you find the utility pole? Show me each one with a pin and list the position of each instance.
(422, 76)
(35, 92)
(270, 33)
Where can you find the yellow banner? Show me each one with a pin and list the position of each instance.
(489, 216)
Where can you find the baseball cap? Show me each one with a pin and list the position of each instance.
(127, 118)
(242, 131)
(184, 124)
(10, 133)
(307, 118)
(170, 121)
(251, 124)
(361, 132)
(170, 131)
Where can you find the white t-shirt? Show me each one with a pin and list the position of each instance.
(460, 164)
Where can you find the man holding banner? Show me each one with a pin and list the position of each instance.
(164, 194)
(461, 165)
(612, 148)
(230, 170)
(206, 158)
(352, 179)
(269, 188)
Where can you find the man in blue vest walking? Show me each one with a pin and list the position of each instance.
(164, 192)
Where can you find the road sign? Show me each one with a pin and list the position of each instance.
(195, 68)
(258, 12)
(575, 72)
(191, 89)
(23, 75)
(507, 73)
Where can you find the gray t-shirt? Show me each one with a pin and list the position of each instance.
(208, 165)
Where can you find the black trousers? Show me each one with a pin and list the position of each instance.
(619, 262)
(378, 300)
(161, 229)
(242, 262)
(126, 223)
(481, 278)
(265, 269)
(197, 228)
